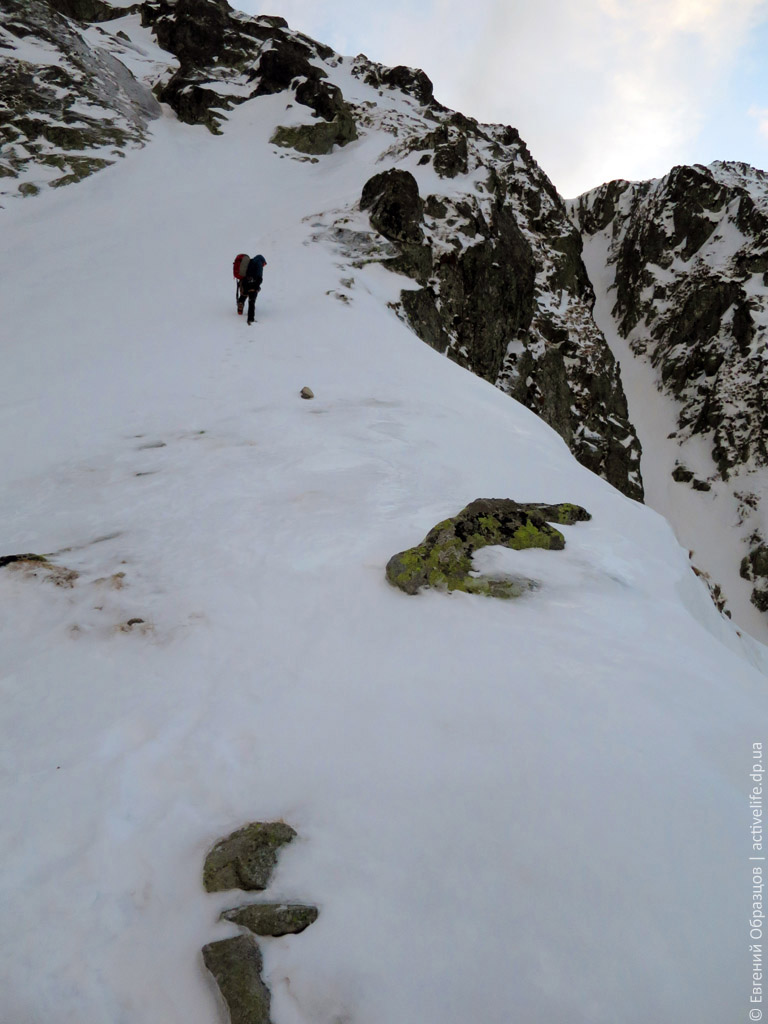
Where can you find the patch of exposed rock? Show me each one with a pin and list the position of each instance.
(236, 964)
(246, 858)
(443, 560)
(273, 919)
(34, 566)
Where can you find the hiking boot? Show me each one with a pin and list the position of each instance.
(240, 308)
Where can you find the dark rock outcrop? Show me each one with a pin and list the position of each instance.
(395, 206)
(246, 858)
(443, 560)
(754, 567)
(90, 10)
(226, 60)
(404, 79)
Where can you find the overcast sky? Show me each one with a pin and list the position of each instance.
(599, 89)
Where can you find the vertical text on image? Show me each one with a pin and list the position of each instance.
(757, 917)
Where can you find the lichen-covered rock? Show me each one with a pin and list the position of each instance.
(273, 918)
(443, 560)
(246, 858)
(236, 964)
(316, 139)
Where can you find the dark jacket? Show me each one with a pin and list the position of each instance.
(255, 271)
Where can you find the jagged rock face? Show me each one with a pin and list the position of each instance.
(690, 257)
(689, 252)
(67, 106)
(502, 288)
(504, 291)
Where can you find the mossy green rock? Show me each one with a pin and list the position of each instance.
(316, 139)
(246, 858)
(273, 918)
(443, 560)
(236, 965)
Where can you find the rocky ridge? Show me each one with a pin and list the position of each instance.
(688, 255)
(68, 106)
(462, 209)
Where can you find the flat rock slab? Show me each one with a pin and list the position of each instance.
(236, 965)
(273, 918)
(246, 858)
(443, 560)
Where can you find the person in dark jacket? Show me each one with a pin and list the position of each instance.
(250, 285)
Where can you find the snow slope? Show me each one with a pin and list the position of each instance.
(531, 811)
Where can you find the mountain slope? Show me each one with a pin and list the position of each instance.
(474, 222)
(505, 809)
(680, 266)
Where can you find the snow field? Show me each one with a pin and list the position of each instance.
(532, 810)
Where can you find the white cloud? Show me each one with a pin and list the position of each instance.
(761, 116)
(598, 88)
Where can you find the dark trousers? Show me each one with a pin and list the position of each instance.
(248, 290)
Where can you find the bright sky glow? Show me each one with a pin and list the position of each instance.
(599, 89)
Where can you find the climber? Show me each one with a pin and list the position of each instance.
(250, 284)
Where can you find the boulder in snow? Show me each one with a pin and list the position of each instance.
(236, 965)
(443, 560)
(247, 857)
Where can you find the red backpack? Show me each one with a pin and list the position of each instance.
(240, 265)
